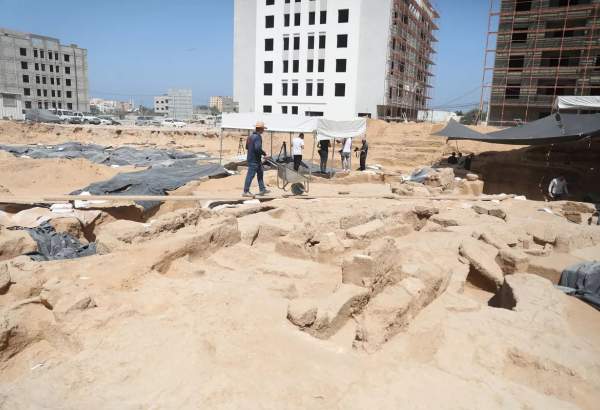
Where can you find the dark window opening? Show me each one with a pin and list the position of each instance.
(269, 43)
(269, 23)
(322, 40)
(323, 17)
(268, 89)
(310, 66)
(267, 109)
(268, 67)
(340, 65)
(294, 110)
(23, 52)
(523, 5)
(340, 89)
(321, 67)
(296, 66)
(295, 89)
(320, 89)
(312, 18)
(309, 89)
(342, 40)
(343, 16)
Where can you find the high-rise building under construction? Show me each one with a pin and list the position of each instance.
(544, 49)
(334, 58)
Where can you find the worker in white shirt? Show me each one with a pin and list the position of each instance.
(297, 148)
(346, 153)
(558, 188)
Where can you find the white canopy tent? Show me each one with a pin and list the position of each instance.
(322, 128)
(577, 103)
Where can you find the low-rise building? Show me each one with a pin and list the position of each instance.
(224, 104)
(177, 103)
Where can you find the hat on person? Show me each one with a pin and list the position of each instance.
(260, 125)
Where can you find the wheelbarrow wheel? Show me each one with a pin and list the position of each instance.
(298, 188)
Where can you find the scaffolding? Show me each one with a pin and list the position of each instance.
(543, 49)
(409, 60)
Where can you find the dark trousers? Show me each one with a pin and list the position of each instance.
(254, 169)
(323, 155)
(297, 162)
(363, 162)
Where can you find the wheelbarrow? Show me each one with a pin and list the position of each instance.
(299, 182)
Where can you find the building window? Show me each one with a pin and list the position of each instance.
(294, 110)
(23, 52)
(311, 42)
(270, 2)
(28, 104)
(57, 69)
(286, 43)
(340, 89)
(269, 44)
(513, 91)
(517, 62)
(58, 93)
(321, 67)
(26, 91)
(45, 93)
(51, 80)
(43, 67)
(310, 66)
(286, 19)
(69, 94)
(69, 106)
(312, 18)
(59, 104)
(53, 93)
(35, 53)
(68, 82)
(284, 109)
(37, 79)
(295, 89)
(296, 43)
(58, 81)
(343, 16)
(24, 65)
(269, 23)
(51, 68)
(322, 39)
(25, 78)
(523, 5)
(296, 66)
(42, 54)
(320, 89)
(286, 66)
(342, 40)
(296, 19)
(323, 17)
(49, 55)
(67, 70)
(268, 67)
(46, 104)
(39, 92)
(267, 109)
(340, 65)
(284, 89)
(309, 89)
(268, 89)
(43, 80)
(67, 58)
(37, 67)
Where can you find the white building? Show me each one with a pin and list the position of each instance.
(334, 58)
(177, 103)
(110, 106)
(223, 104)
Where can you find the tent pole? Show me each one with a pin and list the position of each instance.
(292, 155)
(221, 148)
(333, 154)
(312, 160)
(271, 144)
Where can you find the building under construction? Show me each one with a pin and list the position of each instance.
(544, 49)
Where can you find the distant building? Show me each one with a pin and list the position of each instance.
(224, 104)
(544, 49)
(40, 72)
(334, 58)
(110, 106)
(177, 103)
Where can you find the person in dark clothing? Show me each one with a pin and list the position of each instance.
(468, 160)
(364, 151)
(297, 148)
(452, 160)
(324, 154)
(254, 159)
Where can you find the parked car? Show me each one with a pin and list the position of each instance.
(38, 115)
(142, 121)
(170, 122)
(78, 116)
(66, 116)
(90, 119)
(108, 120)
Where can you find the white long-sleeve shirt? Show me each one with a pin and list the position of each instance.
(558, 187)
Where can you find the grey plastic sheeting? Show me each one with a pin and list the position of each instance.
(584, 280)
(101, 155)
(455, 130)
(156, 180)
(54, 245)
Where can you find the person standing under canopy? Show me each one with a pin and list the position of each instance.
(254, 159)
(558, 188)
(346, 153)
(324, 154)
(364, 151)
(297, 148)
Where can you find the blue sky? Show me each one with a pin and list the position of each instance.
(140, 48)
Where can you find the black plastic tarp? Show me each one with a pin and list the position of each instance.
(583, 281)
(156, 180)
(54, 245)
(457, 131)
(101, 155)
(553, 129)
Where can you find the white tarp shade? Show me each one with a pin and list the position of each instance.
(577, 103)
(273, 122)
(325, 129)
(328, 129)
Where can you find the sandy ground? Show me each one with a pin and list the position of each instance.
(357, 298)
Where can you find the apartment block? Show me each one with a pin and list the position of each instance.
(223, 104)
(177, 103)
(41, 72)
(334, 58)
(544, 49)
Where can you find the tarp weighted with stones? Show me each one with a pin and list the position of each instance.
(54, 245)
(156, 180)
(583, 281)
(101, 155)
